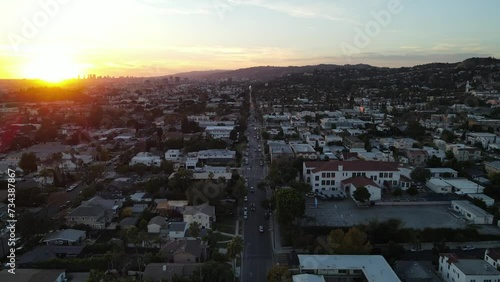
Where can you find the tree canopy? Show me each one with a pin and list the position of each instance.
(290, 205)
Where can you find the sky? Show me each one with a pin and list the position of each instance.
(63, 38)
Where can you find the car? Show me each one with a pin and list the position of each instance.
(245, 199)
(261, 229)
(252, 189)
(467, 248)
(245, 209)
(252, 207)
(245, 215)
(413, 250)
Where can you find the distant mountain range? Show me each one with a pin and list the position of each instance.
(270, 72)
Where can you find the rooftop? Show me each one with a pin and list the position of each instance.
(374, 267)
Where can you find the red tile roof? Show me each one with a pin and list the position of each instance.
(353, 166)
(359, 181)
(493, 253)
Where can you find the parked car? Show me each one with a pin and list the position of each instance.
(468, 248)
(261, 229)
(413, 250)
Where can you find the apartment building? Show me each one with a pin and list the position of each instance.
(327, 176)
(454, 269)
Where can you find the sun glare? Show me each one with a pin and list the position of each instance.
(52, 67)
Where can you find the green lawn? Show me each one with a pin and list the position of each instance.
(221, 237)
(226, 225)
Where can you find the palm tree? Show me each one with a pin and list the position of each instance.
(194, 229)
(234, 249)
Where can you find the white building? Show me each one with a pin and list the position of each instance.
(308, 278)
(438, 185)
(203, 214)
(351, 184)
(173, 155)
(146, 159)
(370, 268)
(305, 151)
(219, 132)
(472, 212)
(324, 176)
(443, 172)
(217, 155)
(487, 200)
(464, 153)
(492, 256)
(453, 269)
(482, 138)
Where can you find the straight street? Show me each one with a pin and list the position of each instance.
(257, 254)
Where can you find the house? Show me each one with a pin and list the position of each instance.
(472, 212)
(158, 224)
(158, 272)
(279, 150)
(404, 143)
(304, 151)
(145, 158)
(353, 142)
(173, 155)
(481, 138)
(219, 132)
(45, 253)
(184, 251)
(487, 200)
(415, 271)
(111, 205)
(216, 156)
(316, 141)
(94, 216)
(34, 275)
(492, 167)
(438, 185)
(350, 185)
(177, 230)
(204, 214)
(443, 172)
(370, 268)
(492, 256)
(66, 237)
(454, 269)
(416, 156)
(459, 186)
(464, 153)
(140, 197)
(328, 176)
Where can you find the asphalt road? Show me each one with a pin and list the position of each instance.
(257, 256)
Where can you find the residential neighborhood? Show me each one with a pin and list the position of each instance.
(349, 173)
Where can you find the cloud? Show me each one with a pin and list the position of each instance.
(302, 9)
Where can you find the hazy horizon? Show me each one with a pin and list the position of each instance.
(56, 39)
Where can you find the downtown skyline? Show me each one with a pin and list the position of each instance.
(53, 39)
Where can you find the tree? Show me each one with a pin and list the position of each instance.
(361, 194)
(279, 273)
(28, 162)
(92, 174)
(233, 135)
(214, 271)
(167, 167)
(434, 162)
(420, 174)
(397, 192)
(354, 242)
(412, 191)
(415, 130)
(194, 229)
(290, 205)
(234, 249)
(449, 155)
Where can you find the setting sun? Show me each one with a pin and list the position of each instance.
(52, 67)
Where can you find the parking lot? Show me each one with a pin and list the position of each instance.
(347, 213)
